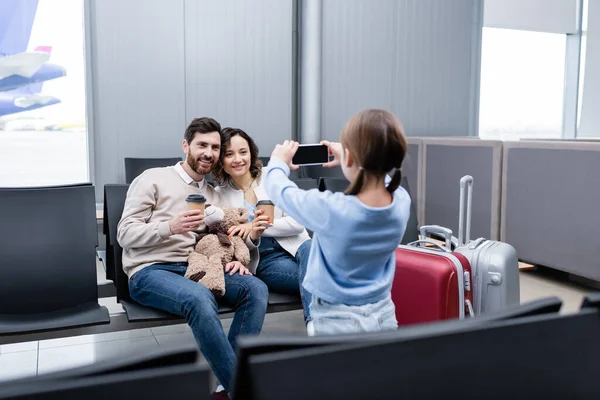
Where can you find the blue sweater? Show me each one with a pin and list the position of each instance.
(352, 253)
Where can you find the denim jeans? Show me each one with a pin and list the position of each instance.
(337, 319)
(283, 273)
(164, 287)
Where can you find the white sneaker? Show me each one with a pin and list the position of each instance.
(219, 388)
(310, 328)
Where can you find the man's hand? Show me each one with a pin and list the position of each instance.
(259, 224)
(242, 230)
(285, 152)
(236, 266)
(186, 221)
(335, 150)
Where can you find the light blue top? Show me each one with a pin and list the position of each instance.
(352, 253)
(250, 207)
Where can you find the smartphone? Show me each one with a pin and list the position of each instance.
(311, 154)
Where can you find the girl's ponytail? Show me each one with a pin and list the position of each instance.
(357, 184)
(395, 182)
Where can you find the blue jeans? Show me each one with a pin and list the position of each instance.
(283, 273)
(337, 319)
(164, 287)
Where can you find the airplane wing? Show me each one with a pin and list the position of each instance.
(23, 64)
(15, 102)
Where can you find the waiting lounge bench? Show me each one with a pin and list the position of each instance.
(115, 195)
(48, 240)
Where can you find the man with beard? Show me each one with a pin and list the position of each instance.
(157, 233)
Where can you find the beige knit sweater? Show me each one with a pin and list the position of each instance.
(153, 199)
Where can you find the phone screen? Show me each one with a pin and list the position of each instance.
(311, 154)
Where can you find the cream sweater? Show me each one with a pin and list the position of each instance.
(153, 199)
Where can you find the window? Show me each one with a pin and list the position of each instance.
(43, 136)
(522, 84)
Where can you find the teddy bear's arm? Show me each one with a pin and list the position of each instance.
(240, 250)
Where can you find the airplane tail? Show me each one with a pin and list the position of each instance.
(16, 21)
(45, 49)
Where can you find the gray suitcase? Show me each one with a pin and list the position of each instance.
(494, 264)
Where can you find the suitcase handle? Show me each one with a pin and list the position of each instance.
(469, 307)
(445, 232)
(464, 227)
(416, 243)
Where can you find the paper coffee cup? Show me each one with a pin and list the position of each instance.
(268, 207)
(196, 202)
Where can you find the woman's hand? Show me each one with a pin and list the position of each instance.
(285, 152)
(335, 150)
(259, 224)
(236, 266)
(242, 230)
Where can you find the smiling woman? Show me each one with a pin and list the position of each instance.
(285, 244)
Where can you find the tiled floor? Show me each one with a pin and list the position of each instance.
(31, 358)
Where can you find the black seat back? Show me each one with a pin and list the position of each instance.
(562, 350)
(333, 184)
(307, 183)
(250, 347)
(318, 171)
(149, 374)
(135, 166)
(48, 239)
(294, 174)
(114, 201)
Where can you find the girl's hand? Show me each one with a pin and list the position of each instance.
(335, 150)
(285, 152)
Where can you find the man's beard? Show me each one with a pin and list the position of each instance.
(194, 163)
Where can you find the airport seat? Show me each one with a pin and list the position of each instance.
(135, 166)
(249, 347)
(48, 238)
(152, 373)
(115, 201)
(551, 355)
(306, 183)
(333, 184)
(318, 171)
(294, 175)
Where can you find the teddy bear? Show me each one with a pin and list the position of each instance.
(215, 248)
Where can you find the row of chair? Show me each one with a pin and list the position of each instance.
(529, 348)
(48, 279)
(48, 269)
(114, 201)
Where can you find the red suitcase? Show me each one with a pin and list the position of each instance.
(431, 283)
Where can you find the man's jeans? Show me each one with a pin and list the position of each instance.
(283, 273)
(164, 287)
